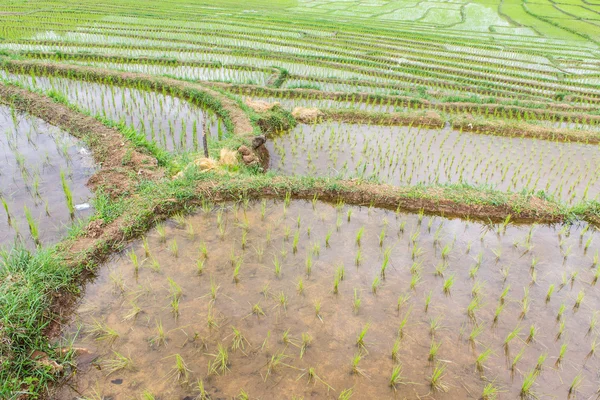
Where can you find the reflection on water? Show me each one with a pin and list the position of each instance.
(315, 270)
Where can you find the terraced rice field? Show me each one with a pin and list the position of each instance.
(299, 199)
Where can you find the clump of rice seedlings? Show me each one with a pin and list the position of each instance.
(316, 249)
(527, 385)
(386, 260)
(497, 312)
(276, 361)
(133, 312)
(300, 286)
(202, 394)
(540, 362)
(174, 248)
(525, 303)
(433, 350)
(358, 257)
(428, 300)
(593, 322)
(561, 311)
(402, 300)
(482, 358)
(490, 392)
(575, 385)
(134, 260)
(349, 215)
(474, 305)
(356, 302)
(317, 306)
(203, 250)
(396, 379)
(375, 285)
(312, 376)
(214, 290)
(306, 341)
(175, 306)
(161, 336)
(174, 288)
(328, 238)
(190, 230)
(179, 219)
(504, 271)
(475, 332)
(295, 242)
(511, 335)
(359, 235)
(346, 394)
(277, 265)
(434, 325)
(154, 264)
(147, 395)
(355, 369)
(200, 266)
(360, 340)
(68, 194)
(436, 379)
(448, 283)
(446, 250)
(257, 310)
(6, 210)
(118, 363)
(33, 227)
(516, 359)
(561, 354)
(243, 395)
(441, 268)
(593, 347)
(504, 294)
(396, 350)
(532, 333)
(578, 300)
(236, 271)
(180, 371)
(238, 340)
(403, 323)
(561, 329)
(118, 282)
(549, 292)
(220, 363)
(102, 332)
(162, 235)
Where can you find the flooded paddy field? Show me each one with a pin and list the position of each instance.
(42, 180)
(297, 300)
(173, 123)
(413, 155)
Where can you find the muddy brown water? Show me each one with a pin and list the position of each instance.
(173, 123)
(411, 155)
(415, 245)
(33, 154)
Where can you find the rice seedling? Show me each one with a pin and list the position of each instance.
(312, 377)
(540, 362)
(355, 369)
(275, 362)
(199, 388)
(578, 300)
(575, 385)
(180, 371)
(300, 286)
(200, 267)
(220, 363)
(257, 310)
(356, 302)
(238, 340)
(436, 379)
(527, 385)
(68, 194)
(433, 350)
(549, 292)
(133, 312)
(490, 392)
(396, 379)
(160, 230)
(561, 354)
(448, 283)
(475, 332)
(516, 359)
(593, 347)
(346, 394)
(532, 334)
(161, 336)
(102, 332)
(561, 311)
(482, 358)
(561, 329)
(510, 337)
(403, 323)
(33, 227)
(118, 363)
(306, 341)
(359, 235)
(402, 300)
(434, 325)
(360, 340)
(375, 285)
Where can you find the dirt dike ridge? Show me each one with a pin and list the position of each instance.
(554, 110)
(122, 165)
(230, 110)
